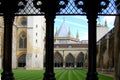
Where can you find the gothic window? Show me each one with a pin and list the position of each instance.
(80, 60)
(70, 60)
(23, 41)
(58, 60)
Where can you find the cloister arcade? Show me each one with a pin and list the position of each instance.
(70, 61)
(105, 51)
(50, 9)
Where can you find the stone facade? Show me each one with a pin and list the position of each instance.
(108, 51)
(101, 30)
(117, 48)
(28, 46)
(28, 42)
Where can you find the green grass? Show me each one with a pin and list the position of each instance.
(59, 74)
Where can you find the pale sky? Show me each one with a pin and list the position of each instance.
(79, 23)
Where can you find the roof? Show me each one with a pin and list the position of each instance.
(63, 31)
(72, 45)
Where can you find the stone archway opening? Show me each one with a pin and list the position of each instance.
(70, 61)
(22, 61)
(80, 60)
(58, 60)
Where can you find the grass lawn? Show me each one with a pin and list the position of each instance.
(60, 75)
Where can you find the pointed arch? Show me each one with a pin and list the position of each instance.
(70, 60)
(22, 60)
(80, 59)
(23, 40)
(58, 60)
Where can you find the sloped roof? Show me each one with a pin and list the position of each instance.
(63, 30)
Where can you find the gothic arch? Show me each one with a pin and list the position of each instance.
(22, 60)
(58, 60)
(20, 53)
(80, 59)
(22, 40)
(69, 60)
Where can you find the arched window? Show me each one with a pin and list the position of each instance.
(58, 60)
(22, 60)
(80, 60)
(23, 41)
(69, 60)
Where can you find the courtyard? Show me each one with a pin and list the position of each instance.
(62, 74)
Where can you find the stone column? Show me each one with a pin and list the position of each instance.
(49, 69)
(7, 55)
(63, 60)
(92, 74)
(8, 13)
(75, 63)
(116, 48)
(117, 43)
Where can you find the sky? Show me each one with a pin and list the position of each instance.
(79, 24)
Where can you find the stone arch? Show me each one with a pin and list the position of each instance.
(69, 60)
(22, 60)
(58, 60)
(80, 60)
(23, 40)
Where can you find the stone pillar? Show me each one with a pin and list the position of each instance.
(75, 63)
(92, 13)
(50, 8)
(8, 13)
(63, 60)
(49, 70)
(117, 43)
(116, 48)
(7, 55)
(92, 74)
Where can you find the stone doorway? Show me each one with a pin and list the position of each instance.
(22, 61)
